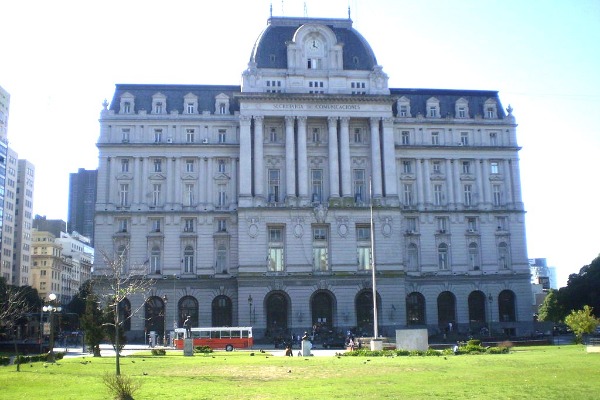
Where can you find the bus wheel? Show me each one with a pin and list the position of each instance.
(229, 348)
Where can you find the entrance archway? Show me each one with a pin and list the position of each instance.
(277, 313)
(321, 306)
(364, 311)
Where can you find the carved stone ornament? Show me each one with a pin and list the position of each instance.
(320, 213)
(298, 230)
(253, 230)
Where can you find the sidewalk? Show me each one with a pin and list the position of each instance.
(106, 350)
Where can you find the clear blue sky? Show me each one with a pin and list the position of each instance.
(60, 59)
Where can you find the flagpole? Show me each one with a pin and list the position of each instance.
(375, 331)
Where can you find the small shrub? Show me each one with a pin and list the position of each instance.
(4, 361)
(506, 344)
(497, 350)
(474, 342)
(158, 352)
(121, 387)
(401, 353)
(203, 349)
(433, 352)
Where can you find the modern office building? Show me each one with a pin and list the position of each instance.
(23, 222)
(82, 202)
(5, 226)
(265, 204)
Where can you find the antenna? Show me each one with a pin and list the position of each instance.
(349, 9)
(305, 11)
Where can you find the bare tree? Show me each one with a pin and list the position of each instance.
(13, 306)
(115, 282)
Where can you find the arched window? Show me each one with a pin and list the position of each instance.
(446, 309)
(221, 311)
(503, 256)
(415, 309)
(474, 257)
(477, 308)
(443, 256)
(188, 260)
(188, 306)
(155, 260)
(506, 306)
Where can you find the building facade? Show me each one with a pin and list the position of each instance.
(82, 202)
(251, 204)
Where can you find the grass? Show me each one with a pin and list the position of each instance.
(549, 372)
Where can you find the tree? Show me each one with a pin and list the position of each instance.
(14, 304)
(583, 289)
(582, 321)
(92, 323)
(551, 308)
(114, 283)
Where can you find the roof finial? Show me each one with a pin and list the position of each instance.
(271, 9)
(349, 10)
(305, 11)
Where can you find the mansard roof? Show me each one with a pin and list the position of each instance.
(270, 49)
(447, 100)
(208, 93)
(175, 96)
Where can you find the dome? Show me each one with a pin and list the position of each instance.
(270, 49)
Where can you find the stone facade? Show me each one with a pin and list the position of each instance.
(252, 204)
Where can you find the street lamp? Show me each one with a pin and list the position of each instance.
(51, 308)
(490, 300)
(165, 299)
(250, 308)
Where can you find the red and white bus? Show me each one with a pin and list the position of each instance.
(228, 338)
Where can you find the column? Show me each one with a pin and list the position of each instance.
(420, 178)
(456, 183)
(485, 173)
(389, 159)
(427, 181)
(479, 181)
(109, 180)
(209, 182)
(376, 158)
(345, 157)
(290, 158)
(259, 181)
(450, 182)
(137, 173)
(334, 168)
(302, 160)
(234, 179)
(508, 183)
(202, 174)
(245, 158)
(143, 180)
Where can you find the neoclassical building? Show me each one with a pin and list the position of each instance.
(251, 205)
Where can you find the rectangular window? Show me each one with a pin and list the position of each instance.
(437, 167)
(472, 224)
(124, 194)
(316, 135)
(462, 113)
(320, 246)
(156, 190)
(157, 165)
(405, 137)
(189, 165)
(125, 165)
(126, 107)
(188, 225)
(493, 139)
(468, 195)
(432, 111)
(125, 135)
(407, 167)
(158, 135)
(316, 180)
(494, 167)
(404, 111)
(408, 194)
(190, 135)
(190, 108)
(274, 182)
(158, 108)
(359, 185)
(221, 225)
(502, 223)
(222, 135)
(123, 225)
(435, 138)
(363, 247)
(222, 196)
(221, 165)
(442, 224)
(438, 195)
(273, 135)
(466, 167)
(189, 194)
(497, 194)
(358, 136)
(156, 225)
(275, 262)
(464, 138)
(491, 112)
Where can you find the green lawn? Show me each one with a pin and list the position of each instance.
(559, 372)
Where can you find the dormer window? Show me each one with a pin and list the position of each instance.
(433, 108)
(190, 108)
(190, 102)
(159, 104)
(404, 107)
(127, 103)
(222, 104)
(222, 108)
(490, 109)
(462, 108)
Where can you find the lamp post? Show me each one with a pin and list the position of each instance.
(490, 300)
(250, 308)
(51, 308)
(165, 299)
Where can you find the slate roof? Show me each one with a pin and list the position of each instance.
(272, 41)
